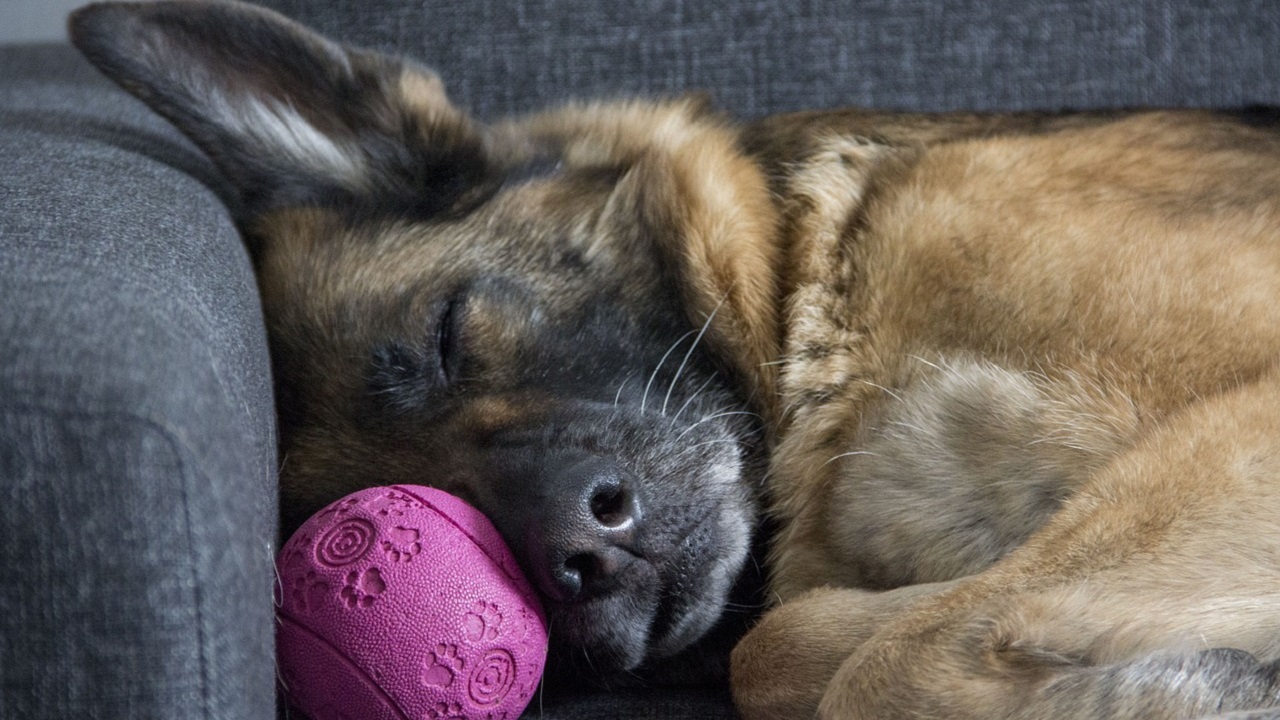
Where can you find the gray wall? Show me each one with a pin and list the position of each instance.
(35, 20)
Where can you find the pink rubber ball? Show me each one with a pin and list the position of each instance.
(403, 603)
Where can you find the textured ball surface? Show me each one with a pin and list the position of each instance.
(404, 603)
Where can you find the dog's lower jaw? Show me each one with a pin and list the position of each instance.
(658, 618)
(634, 632)
(696, 611)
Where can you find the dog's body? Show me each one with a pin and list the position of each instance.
(1041, 358)
(1007, 385)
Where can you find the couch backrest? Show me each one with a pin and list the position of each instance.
(762, 56)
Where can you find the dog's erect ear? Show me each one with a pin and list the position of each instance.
(289, 116)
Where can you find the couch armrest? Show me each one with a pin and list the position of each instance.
(137, 440)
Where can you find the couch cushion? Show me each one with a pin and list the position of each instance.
(137, 446)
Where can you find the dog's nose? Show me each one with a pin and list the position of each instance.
(590, 523)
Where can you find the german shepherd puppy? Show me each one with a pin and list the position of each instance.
(1007, 386)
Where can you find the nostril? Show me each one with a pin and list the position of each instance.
(612, 506)
(580, 568)
(570, 576)
(589, 574)
(586, 529)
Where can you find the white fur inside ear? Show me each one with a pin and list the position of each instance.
(266, 125)
(280, 130)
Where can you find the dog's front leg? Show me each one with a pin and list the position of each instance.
(1151, 593)
(1042, 658)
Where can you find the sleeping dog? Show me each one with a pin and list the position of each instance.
(1004, 386)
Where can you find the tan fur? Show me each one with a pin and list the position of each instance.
(1090, 313)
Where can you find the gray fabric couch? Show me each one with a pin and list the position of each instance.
(137, 447)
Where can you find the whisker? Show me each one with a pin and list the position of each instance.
(689, 354)
(730, 441)
(645, 397)
(737, 443)
(713, 417)
(680, 412)
(618, 396)
(845, 455)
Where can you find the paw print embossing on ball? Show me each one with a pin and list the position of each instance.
(334, 512)
(363, 588)
(443, 666)
(294, 553)
(521, 628)
(309, 592)
(401, 544)
(447, 711)
(483, 622)
(406, 603)
(392, 504)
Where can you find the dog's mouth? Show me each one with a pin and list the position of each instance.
(634, 544)
(669, 600)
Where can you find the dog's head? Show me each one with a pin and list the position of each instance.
(564, 319)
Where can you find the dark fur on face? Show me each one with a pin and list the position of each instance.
(501, 312)
(490, 383)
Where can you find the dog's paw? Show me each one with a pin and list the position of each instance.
(782, 668)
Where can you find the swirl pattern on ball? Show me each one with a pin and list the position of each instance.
(346, 542)
(492, 678)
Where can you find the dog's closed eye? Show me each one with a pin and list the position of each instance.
(449, 339)
(406, 376)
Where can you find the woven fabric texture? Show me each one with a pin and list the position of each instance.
(756, 57)
(137, 446)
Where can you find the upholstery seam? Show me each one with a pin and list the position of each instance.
(180, 453)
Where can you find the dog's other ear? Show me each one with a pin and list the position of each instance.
(685, 188)
(291, 117)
